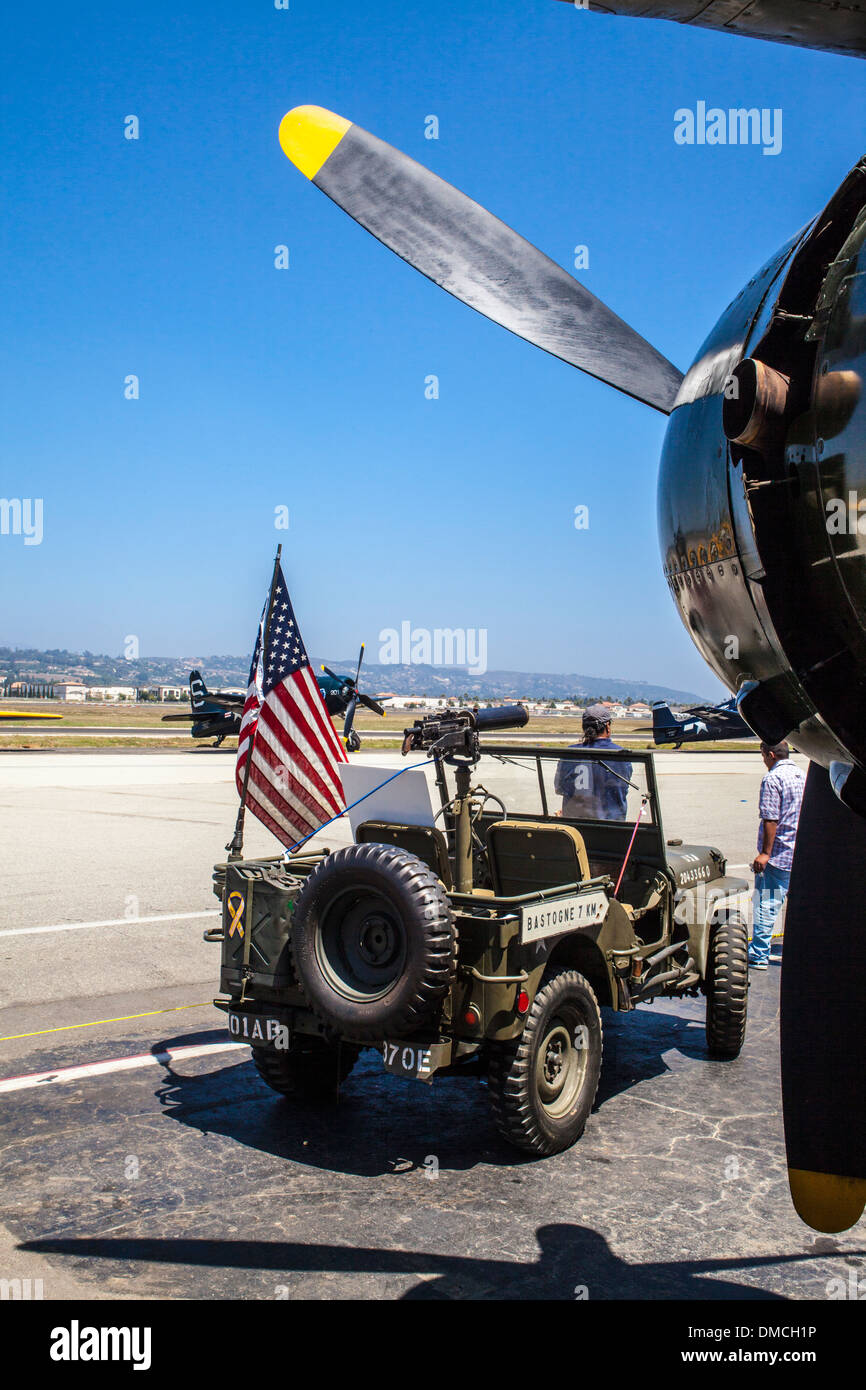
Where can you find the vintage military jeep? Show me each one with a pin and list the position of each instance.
(486, 941)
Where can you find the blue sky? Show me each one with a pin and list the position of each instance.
(304, 388)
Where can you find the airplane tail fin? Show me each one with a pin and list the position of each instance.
(197, 690)
(663, 719)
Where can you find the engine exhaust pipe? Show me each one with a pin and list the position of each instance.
(754, 414)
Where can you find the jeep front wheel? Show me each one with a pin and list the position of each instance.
(727, 986)
(542, 1085)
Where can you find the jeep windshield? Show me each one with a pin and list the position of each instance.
(576, 784)
(608, 795)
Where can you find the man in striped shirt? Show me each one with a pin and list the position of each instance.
(779, 808)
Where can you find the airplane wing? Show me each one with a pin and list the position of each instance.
(23, 714)
(722, 721)
(707, 712)
(201, 716)
(836, 26)
(235, 702)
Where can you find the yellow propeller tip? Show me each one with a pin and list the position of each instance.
(827, 1201)
(309, 135)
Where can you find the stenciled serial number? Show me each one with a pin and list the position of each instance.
(407, 1061)
(688, 876)
(258, 1029)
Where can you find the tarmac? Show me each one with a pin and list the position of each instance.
(140, 1155)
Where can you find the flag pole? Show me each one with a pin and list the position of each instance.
(236, 844)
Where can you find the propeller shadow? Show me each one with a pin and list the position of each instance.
(574, 1263)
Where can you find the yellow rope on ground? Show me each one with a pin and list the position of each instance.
(124, 1018)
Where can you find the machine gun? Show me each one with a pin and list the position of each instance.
(454, 738)
(454, 735)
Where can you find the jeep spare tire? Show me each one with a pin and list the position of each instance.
(373, 941)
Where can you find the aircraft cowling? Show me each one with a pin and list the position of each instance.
(762, 472)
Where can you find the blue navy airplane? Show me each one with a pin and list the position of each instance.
(698, 724)
(216, 715)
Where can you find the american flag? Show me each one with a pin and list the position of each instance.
(294, 785)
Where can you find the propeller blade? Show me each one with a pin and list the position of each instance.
(371, 704)
(350, 716)
(823, 1043)
(467, 251)
(334, 677)
(360, 659)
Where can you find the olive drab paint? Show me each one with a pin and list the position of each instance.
(538, 936)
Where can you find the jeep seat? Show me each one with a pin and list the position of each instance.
(525, 856)
(426, 841)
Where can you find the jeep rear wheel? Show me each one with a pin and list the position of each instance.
(542, 1085)
(311, 1069)
(373, 942)
(727, 986)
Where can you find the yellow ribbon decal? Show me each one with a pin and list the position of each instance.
(235, 905)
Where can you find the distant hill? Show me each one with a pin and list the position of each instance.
(92, 669)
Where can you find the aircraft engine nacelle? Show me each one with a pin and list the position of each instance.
(762, 481)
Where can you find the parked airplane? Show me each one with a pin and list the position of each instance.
(214, 715)
(699, 723)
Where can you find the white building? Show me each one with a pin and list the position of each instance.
(70, 690)
(111, 694)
